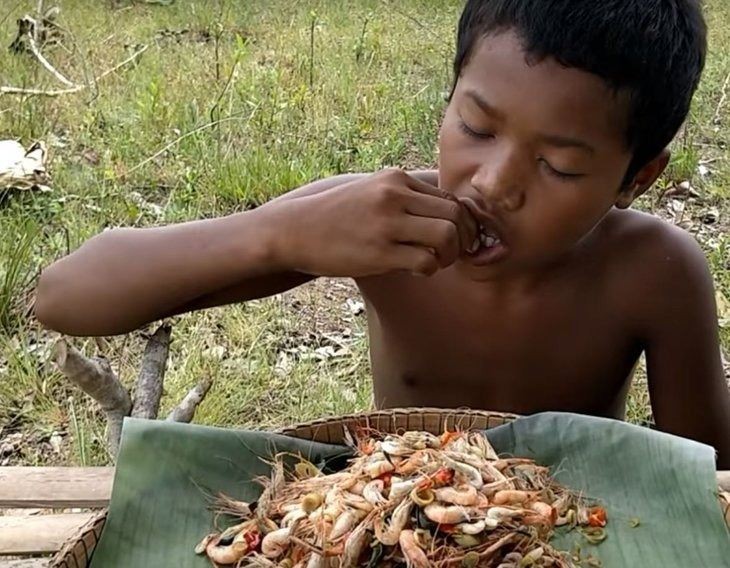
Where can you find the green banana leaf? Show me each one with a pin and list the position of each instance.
(166, 473)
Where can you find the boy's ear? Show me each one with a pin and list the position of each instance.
(643, 180)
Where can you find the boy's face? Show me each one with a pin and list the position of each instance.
(538, 151)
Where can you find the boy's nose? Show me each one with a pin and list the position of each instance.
(500, 185)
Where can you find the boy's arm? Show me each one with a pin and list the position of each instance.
(689, 394)
(124, 278)
(276, 283)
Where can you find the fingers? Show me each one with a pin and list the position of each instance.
(427, 206)
(414, 259)
(436, 202)
(439, 235)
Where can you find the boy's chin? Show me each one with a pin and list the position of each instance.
(466, 267)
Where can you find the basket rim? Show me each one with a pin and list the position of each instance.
(405, 411)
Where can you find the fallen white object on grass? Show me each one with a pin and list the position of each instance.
(21, 168)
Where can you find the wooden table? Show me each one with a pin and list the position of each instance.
(37, 527)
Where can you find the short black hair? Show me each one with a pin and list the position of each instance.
(652, 49)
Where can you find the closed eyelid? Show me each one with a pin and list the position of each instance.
(556, 140)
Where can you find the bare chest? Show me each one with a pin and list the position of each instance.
(561, 349)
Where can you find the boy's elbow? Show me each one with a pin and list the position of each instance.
(49, 307)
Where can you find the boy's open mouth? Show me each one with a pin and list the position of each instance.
(486, 238)
(487, 248)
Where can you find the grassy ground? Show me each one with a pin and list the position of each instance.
(253, 99)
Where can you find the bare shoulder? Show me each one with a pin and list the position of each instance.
(656, 270)
(653, 249)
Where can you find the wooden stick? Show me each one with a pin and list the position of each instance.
(45, 63)
(95, 377)
(152, 374)
(185, 411)
(56, 92)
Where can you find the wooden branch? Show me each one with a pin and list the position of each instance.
(40, 92)
(185, 411)
(4, 90)
(45, 63)
(152, 374)
(95, 377)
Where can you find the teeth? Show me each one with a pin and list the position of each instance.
(484, 239)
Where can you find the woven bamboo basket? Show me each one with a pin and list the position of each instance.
(77, 552)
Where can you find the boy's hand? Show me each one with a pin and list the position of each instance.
(387, 221)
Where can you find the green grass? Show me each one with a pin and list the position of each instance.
(281, 93)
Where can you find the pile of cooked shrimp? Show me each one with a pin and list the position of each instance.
(413, 499)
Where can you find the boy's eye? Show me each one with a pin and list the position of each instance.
(473, 133)
(558, 173)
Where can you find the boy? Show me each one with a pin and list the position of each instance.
(514, 277)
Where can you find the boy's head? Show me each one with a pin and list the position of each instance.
(652, 50)
(615, 76)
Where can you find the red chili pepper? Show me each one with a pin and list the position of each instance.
(253, 539)
(447, 528)
(597, 517)
(443, 476)
(386, 477)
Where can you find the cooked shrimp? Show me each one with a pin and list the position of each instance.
(467, 458)
(503, 513)
(357, 487)
(414, 463)
(271, 489)
(373, 492)
(378, 468)
(331, 511)
(510, 497)
(472, 474)
(399, 489)
(317, 561)
(446, 515)
(492, 474)
(356, 501)
(480, 442)
(504, 463)
(275, 543)
(227, 554)
(421, 440)
(491, 488)
(414, 555)
(395, 447)
(355, 543)
(462, 495)
(201, 546)
(477, 527)
(345, 522)
(398, 520)
(293, 516)
(546, 513)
